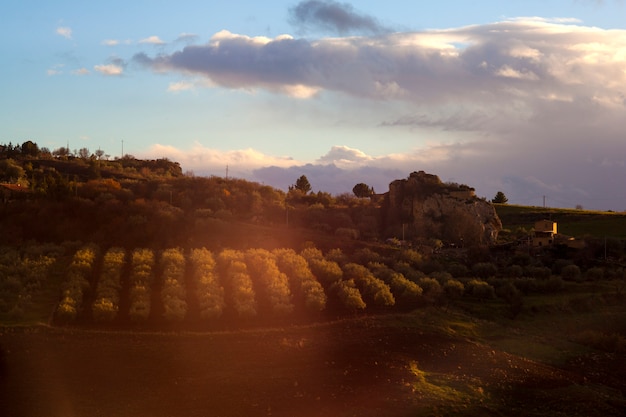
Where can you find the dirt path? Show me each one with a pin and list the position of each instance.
(339, 369)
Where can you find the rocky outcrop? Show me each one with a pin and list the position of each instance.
(421, 206)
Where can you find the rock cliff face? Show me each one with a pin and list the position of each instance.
(421, 206)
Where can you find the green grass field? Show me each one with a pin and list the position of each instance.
(577, 223)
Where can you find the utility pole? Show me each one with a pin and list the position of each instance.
(122, 148)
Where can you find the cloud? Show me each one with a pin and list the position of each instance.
(153, 40)
(212, 161)
(329, 15)
(81, 71)
(511, 61)
(64, 31)
(176, 87)
(344, 156)
(109, 69)
(115, 42)
(186, 38)
(528, 106)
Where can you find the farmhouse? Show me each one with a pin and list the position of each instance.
(546, 235)
(545, 231)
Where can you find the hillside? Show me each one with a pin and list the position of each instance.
(578, 223)
(129, 288)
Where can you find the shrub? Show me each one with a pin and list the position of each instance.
(571, 273)
(594, 274)
(348, 295)
(406, 292)
(539, 272)
(514, 271)
(480, 289)
(372, 288)
(453, 289)
(458, 270)
(431, 288)
(484, 270)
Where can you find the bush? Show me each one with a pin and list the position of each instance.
(480, 289)
(571, 273)
(453, 289)
(348, 294)
(406, 292)
(458, 270)
(373, 289)
(431, 289)
(539, 272)
(484, 270)
(594, 274)
(514, 271)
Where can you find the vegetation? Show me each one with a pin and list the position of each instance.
(500, 198)
(123, 243)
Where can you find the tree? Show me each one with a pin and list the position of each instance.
(30, 148)
(302, 184)
(500, 198)
(362, 190)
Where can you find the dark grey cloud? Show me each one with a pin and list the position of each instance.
(336, 18)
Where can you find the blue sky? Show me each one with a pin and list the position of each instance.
(523, 96)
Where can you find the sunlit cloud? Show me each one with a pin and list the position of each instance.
(187, 38)
(115, 42)
(484, 104)
(64, 31)
(109, 69)
(180, 86)
(153, 40)
(55, 70)
(81, 71)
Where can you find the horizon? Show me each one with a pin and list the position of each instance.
(522, 97)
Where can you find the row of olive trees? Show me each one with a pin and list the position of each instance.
(141, 280)
(107, 303)
(23, 273)
(209, 292)
(278, 283)
(77, 283)
(235, 271)
(173, 293)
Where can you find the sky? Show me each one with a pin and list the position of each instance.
(527, 97)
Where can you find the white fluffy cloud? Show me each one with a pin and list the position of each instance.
(64, 31)
(153, 40)
(109, 69)
(529, 106)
